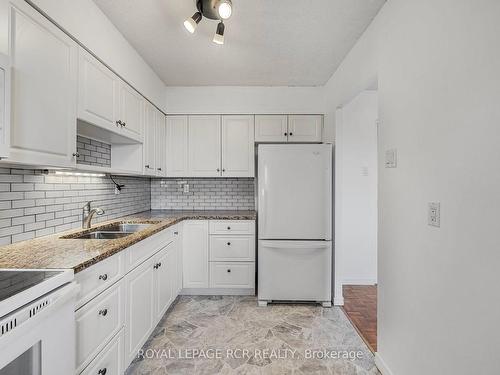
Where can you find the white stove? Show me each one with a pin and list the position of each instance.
(37, 322)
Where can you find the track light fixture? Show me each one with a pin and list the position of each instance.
(219, 10)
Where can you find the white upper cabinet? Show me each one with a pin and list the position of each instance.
(4, 105)
(177, 146)
(204, 146)
(238, 146)
(149, 145)
(305, 128)
(131, 111)
(106, 101)
(44, 79)
(97, 92)
(161, 145)
(292, 128)
(271, 128)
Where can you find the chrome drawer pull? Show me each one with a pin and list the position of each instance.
(103, 277)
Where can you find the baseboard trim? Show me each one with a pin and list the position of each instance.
(381, 365)
(338, 301)
(217, 292)
(359, 282)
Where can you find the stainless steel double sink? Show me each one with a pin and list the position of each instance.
(110, 232)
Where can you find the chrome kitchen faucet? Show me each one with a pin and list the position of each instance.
(88, 213)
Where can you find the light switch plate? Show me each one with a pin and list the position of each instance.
(434, 214)
(391, 158)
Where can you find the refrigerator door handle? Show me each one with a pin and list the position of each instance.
(309, 245)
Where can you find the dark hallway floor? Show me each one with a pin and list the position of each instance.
(360, 306)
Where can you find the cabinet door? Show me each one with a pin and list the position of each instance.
(149, 140)
(131, 111)
(44, 90)
(178, 258)
(161, 145)
(140, 307)
(204, 146)
(177, 146)
(195, 254)
(97, 92)
(271, 128)
(305, 128)
(238, 146)
(5, 90)
(164, 270)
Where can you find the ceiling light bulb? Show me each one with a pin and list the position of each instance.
(219, 34)
(191, 23)
(225, 9)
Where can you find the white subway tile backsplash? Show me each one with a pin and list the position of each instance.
(204, 193)
(33, 204)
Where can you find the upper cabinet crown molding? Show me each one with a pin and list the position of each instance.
(44, 79)
(288, 128)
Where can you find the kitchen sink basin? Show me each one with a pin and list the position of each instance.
(127, 227)
(102, 235)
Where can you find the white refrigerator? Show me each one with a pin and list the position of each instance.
(294, 223)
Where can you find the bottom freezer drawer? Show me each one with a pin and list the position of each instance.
(294, 270)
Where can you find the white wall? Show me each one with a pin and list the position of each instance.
(437, 64)
(252, 100)
(85, 21)
(356, 191)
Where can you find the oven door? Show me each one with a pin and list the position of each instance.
(45, 343)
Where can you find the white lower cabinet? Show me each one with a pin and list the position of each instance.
(195, 254)
(232, 275)
(122, 300)
(97, 322)
(140, 307)
(219, 257)
(110, 360)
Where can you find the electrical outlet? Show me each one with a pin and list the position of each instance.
(185, 188)
(434, 214)
(391, 158)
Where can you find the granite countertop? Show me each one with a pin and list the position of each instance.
(54, 252)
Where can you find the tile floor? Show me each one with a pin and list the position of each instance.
(232, 335)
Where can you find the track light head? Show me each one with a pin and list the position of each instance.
(219, 34)
(191, 22)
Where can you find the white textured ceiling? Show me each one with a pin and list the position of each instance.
(268, 42)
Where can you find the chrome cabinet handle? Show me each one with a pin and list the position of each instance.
(229, 270)
(102, 371)
(124, 124)
(176, 233)
(229, 244)
(147, 166)
(119, 123)
(103, 277)
(103, 312)
(159, 169)
(228, 228)
(291, 133)
(285, 134)
(76, 154)
(218, 169)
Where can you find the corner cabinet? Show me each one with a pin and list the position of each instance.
(44, 90)
(288, 128)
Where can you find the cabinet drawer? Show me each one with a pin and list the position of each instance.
(110, 359)
(97, 322)
(142, 250)
(232, 248)
(99, 277)
(232, 226)
(232, 275)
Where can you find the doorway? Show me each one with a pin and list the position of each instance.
(356, 212)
